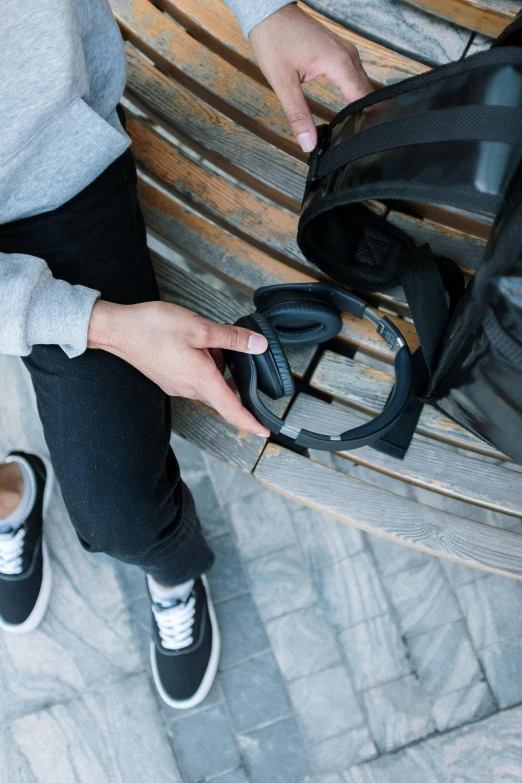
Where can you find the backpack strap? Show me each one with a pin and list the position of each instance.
(512, 35)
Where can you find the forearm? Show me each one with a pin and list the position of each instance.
(37, 309)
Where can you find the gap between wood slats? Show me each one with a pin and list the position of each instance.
(390, 516)
(488, 17)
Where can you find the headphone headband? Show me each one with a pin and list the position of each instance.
(244, 370)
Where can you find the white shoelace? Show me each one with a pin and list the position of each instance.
(175, 623)
(11, 552)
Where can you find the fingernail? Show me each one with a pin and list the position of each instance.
(257, 343)
(306, 141)
(259, 435)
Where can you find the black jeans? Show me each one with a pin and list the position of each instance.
(106, 425)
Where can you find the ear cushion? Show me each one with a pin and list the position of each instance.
(302, 322)
(274, 374)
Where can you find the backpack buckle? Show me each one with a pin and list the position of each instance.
(315, 155)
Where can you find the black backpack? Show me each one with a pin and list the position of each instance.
(451, 137)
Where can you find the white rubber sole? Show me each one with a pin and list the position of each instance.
(39, 609)
(210, 674)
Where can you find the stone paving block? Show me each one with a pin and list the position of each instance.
(210, 513)
(226, 578)
(502, 663)
(463, 706)
(329, 777)
(392, 557)
(262, 523)
(110, 734)
(492, 608)
(255, 693)
(398, 713)
(444, 660)
(275, 754)
(422, 598)
(325, 704)
(375, 652)
(131, 579)
(458, 575)
(302, 643)
(343, 751)
(204, 744)
(489, 751)
(191, 459)
(280, 583)
(237, 776)
(230, 483)
(351, 591)
(325, 540)
(242, 632)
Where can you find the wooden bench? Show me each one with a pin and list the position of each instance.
(221, 178)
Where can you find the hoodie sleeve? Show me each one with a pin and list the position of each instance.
(37, 309)
(250, 13)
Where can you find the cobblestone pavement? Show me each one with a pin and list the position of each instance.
(346, 658)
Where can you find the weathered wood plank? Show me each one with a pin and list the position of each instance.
(488, 17)
(467, 250)
(388, 515)
(212, 23)
(241, 263)
(367, 389)
(219, 83)
(201, 425)
(253, 217)
(187, 290)
(210, 133)
(399, 26)
(427, 463)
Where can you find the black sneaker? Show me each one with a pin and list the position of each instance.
(185, 645)
(25, 574)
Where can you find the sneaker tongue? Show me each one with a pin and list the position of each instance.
(7, 531)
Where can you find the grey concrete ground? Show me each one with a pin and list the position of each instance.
(346, 658)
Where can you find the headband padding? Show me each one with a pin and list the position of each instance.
(303, 322)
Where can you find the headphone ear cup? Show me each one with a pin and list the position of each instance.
(273, 371)
(303, 322)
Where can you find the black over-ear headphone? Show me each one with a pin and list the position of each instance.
(307, 314)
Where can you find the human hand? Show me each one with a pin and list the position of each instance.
(291, 49)
(179, 350)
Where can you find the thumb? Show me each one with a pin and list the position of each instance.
(234, 338)
(290, 94)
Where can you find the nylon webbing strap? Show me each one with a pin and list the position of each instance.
(426, 282)
(459, 123)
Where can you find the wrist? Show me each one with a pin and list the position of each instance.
(107, 326)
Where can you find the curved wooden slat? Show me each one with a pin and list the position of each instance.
(212, 23)
(488, 17)
(427, 463)
(367, 389)
(210, 133)
(391, 516)
(253, 217)
(206, 74)
(241, 263)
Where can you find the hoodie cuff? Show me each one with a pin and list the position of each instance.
(59, 314)
(250, 14)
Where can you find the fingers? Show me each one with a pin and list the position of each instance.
(234, 338)
(225, 402)
(348, 75)
(290, 93)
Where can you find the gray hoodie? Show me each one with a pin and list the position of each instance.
(62, 73)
